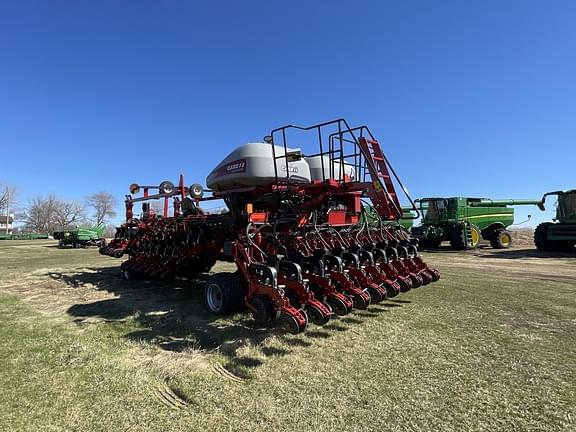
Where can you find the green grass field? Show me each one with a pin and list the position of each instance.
(492, 346)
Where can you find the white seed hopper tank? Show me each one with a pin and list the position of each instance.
(339, 171)
(253, 165)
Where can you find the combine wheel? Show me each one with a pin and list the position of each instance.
(475, 236)
(541, 237)
(223, 294)
(339, 307)
(501, 239)
(291, 323)
(458, 237)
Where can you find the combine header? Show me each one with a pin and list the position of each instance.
(294, 228)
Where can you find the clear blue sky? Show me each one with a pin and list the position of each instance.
(467, 97)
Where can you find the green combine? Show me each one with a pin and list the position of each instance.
(464, 221)
(81, 237)
(561, 234)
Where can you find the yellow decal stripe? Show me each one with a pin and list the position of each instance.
(490, 215)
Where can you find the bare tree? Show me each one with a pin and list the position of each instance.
(68, 214)
(49, 214)
(40, 214)
(103, 204)
(7, 197)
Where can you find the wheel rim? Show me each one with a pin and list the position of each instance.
(475, 237)
(506, 240)
(214, 297)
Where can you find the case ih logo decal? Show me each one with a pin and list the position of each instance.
(290, 169)
(237, 166)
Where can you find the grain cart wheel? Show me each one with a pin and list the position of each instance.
(223, 294)
(501, 239)
(541, 237)
(458, 237)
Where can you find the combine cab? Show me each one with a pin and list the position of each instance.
(294, 228)
(559, 235)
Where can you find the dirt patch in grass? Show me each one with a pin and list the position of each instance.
(513, 262)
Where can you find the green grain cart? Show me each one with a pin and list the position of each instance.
(559, 235)
(81, 237)
(464, 221)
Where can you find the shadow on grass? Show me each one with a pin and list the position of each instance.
(172, 317)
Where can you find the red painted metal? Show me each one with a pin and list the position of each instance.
(300, 247)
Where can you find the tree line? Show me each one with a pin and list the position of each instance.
(46, 214)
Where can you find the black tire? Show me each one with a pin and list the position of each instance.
(501, 239)
(263, 314)
(541, 237)
(360, 302)
(458, 237)
(405, 284)
(338, 306)
(375, 295)
(292, 325)
(223, 294)
(316, 316)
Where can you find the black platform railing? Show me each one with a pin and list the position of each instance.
(333, 150)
